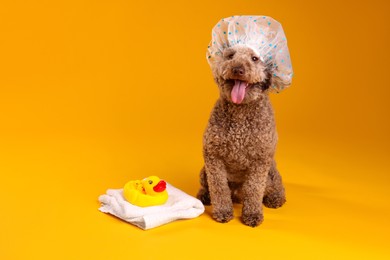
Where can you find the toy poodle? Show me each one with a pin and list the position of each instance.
(249, 59)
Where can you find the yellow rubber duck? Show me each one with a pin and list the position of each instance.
(150, 191)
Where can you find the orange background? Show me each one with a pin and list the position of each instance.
(96, 93)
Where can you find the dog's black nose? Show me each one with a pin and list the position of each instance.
(238, 70)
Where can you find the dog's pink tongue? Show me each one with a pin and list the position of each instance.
(238, 91)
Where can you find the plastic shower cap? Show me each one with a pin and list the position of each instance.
(264, 35)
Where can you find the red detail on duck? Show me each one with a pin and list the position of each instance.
(160, 187)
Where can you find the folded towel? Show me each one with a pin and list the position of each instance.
(179, 206)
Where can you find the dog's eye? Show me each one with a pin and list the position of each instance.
(254, 58)
(231, 56)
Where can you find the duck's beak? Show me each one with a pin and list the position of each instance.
(160, 187)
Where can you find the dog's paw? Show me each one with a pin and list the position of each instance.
(204, 196)
(253, 219)
(274, 200)
(223, 216)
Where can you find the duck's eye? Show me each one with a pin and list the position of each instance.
(231, 56)
(150, 182)
(254, 58)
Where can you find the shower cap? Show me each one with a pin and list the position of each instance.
(261, 33)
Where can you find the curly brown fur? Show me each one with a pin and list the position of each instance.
(239, 142)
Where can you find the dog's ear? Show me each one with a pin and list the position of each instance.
(278, 84)
(278, 81)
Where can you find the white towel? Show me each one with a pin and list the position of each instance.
(179, 206)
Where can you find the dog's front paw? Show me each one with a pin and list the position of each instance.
(223, 216)
(252, 219)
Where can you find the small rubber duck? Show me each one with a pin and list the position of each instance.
(150, 191)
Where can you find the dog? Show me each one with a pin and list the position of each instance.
(240, 139)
